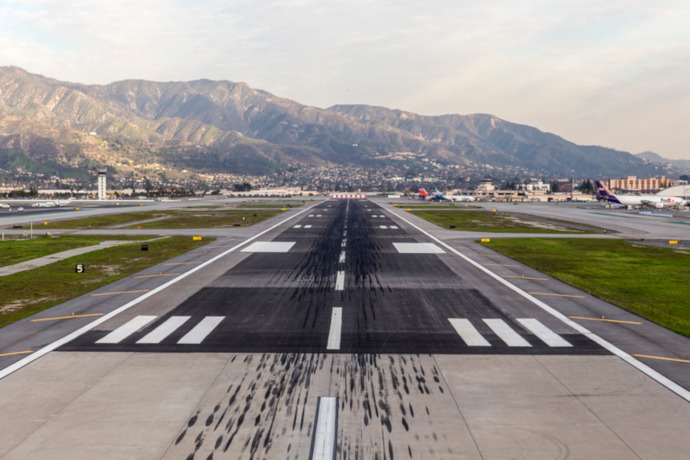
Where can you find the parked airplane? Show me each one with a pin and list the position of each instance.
(4, 206)
(584, 199)
(639, 200)
(441, 197)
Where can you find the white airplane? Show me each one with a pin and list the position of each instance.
(4, 206)
(441, 197)
(45, 204)
(639, 200)
(584, 199)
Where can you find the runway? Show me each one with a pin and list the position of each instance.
(345, 332)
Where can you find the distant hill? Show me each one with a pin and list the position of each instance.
(656, 158)
(230, 127)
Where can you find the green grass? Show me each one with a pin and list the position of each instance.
(260, 206)
(32, 291)
(208, 220)
(651, 282)
(97, 221)
(441, 207)
(14, 251)
(489, 222)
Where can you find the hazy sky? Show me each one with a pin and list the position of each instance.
(611, 73)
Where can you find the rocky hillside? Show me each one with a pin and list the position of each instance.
(224, 125)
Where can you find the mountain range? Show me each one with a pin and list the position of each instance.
(656, 158)
(223, 126)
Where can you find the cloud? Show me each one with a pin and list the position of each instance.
(582, 69)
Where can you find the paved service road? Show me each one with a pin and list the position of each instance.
(345, 332)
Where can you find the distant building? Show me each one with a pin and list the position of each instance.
(101, 183)
(635, 185)
(562, 186)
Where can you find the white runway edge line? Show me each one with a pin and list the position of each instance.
(323, 443)
(336, 327)
(68, 338)
(668, 383)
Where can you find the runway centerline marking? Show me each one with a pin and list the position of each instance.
(558, 295)
(324, 441)
(340, 281)
(628, 358)
(342, 257)
(17, 353)
(73, 335)
(607, 320)
(67, 317)
(656, 357)
(160, 274)
(336, 327)
(121, 292)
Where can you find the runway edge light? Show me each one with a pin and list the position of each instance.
(673, 242)
(486, 240)
(196, 238)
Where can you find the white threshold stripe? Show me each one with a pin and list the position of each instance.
(69, 337)
(340, 281)
(161, 332)
(394, 227)
(297, 226)
(383, 226)
(544, 333)
(334, 331)
(509, 336)
(342, 257)
(124, 331)
(307, 226)
(668, 383)
(468, 333)
(323, 447)
(201, 330)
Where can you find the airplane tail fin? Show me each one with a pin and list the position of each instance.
(602, 190)
(423, 192)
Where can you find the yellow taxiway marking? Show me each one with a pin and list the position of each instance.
(17, 353)
(655, 357)
(160, 274)
(501, 265)
(121, 292)
(607, 320)
(526, 278)
(68, 317)
(183, 263)
(558, 295)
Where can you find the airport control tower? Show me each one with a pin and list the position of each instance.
(101, 183)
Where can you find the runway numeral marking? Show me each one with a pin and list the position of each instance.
(164, 330)
(334, 332)
(127, 329)
(201, 330)
(544, 333)
(509, 336)
(468, 333)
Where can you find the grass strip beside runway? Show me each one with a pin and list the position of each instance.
(648, 281)
(14, 251)
(217, 219)
(172, 219)
(491, 222)
(31, 291)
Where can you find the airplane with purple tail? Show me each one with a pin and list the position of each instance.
(639, 200)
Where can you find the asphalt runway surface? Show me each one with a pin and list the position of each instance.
(344, 332)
